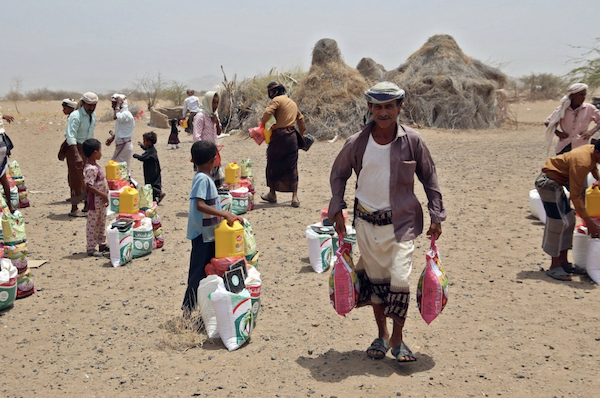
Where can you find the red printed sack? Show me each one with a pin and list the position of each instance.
(343, 282)
(432, 289)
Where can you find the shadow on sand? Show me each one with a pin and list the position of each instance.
(334, 367)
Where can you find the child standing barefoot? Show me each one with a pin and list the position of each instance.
(151, 165)
(97, 198)
(204, 215)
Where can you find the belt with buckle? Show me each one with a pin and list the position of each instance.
(379, 217)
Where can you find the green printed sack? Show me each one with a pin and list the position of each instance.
(14, 169)
(13, 228)
(249, 241)
(124, 170)
(145, 197)
(142, 238)
(234, 316)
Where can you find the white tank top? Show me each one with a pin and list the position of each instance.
(374, 180)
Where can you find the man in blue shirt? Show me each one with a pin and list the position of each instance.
(80, 127)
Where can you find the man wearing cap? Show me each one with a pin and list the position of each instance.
(80, 127)
(387, 215)
(124, 125)
(573, 117)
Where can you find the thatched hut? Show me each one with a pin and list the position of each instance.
(159, 117)
(371, 70)
(447, 89)
(330, 96)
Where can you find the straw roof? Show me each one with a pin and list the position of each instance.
(330, 97)
(447, 89)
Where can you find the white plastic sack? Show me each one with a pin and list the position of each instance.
(536, 206)
(234, 316)
(593, 260)
(350, 237)
(120, 244)
(580, 246)
(320, 249)
(207, 309)
(254, 286)
(143, 237)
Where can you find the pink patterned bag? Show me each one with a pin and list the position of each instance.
(432, 289)
(343, 282)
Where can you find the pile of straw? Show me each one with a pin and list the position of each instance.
(446, 89)
(371, 70)
(331, 95)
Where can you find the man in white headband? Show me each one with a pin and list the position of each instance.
(124, 125)
(68, 105)
(80, 127)
(571, 120)
(388, 216)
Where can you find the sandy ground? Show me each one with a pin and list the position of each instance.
(97, 331)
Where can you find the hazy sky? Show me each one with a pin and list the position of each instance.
(105, 45)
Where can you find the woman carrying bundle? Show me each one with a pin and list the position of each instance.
(282, 153)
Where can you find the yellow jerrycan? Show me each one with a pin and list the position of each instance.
(129, 201)
(268, 134)
(232, 174)
(592, 201)
(113, 170)
(229, 241)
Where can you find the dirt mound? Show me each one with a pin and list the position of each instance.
(447, 89)
(330, 97)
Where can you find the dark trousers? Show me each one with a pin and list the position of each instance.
(201, 255)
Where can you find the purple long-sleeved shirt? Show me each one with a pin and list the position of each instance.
(409, 156)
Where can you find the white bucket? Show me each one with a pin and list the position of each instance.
(592, 265)
(536, 206)
(580, 246)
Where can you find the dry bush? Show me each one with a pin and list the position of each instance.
(331, 95)
(543, 86)
(242, 104)
(44, 94)
(447, 89)
(182, 334)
